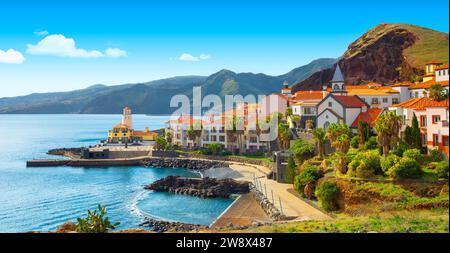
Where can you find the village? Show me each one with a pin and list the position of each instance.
(341, 154)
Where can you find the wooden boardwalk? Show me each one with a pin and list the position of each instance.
(243, 212)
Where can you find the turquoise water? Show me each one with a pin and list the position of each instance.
(40, 199)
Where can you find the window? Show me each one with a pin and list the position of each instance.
(308, 110)
(330, 104)
(336, 87)
(416, 94)
(423, 120)
(444, 141)
(375, 101)
(385, 100)
(394, 101)
(424, 139)
(436, 119)
(213, 138)
(435, 139)
(221, 138)
(253, 139)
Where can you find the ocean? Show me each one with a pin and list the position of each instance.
(41, 199)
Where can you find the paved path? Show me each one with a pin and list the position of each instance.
(291, 205)
(243, 212)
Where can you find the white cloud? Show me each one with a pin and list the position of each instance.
(11, 56)
(59, 45)
(115, 52)
(204, 57)
(41, 32)
(189, 57)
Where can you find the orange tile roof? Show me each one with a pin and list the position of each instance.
(307, 95)
(363, 86)
(370, 116)
(350, 101)
(402, 84)
(422, 103)
(144, 133)
(120, 126)
(372, 91)
(427, 84)
(445, 66)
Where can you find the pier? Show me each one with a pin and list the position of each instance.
(86, 162)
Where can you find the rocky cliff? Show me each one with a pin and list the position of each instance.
(387, 54)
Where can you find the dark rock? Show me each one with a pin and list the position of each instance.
(200, 187)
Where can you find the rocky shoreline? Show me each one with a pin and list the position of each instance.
(182, 163)
(160, 226)
(200, 187)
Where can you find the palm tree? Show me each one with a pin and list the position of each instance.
(319, 136)
(387, 127)
(284, 135)
(169, 137)
(437, 92)
(340, 135)
(191, 134)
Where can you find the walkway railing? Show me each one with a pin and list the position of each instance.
(268, 196)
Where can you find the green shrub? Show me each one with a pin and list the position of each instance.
(215, 148)
(405, 168)
(160, 143)
(307, 176)
(290, 171)
(388, 162)
(371, 143)
(400, 149)
(302, 150)
(95, 222)
(365, 164)
(354, 142)
(225, 152)
(414, 154)
(327, 193)
(442, 169)
(435, 156)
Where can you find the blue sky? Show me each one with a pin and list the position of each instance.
(136, 41)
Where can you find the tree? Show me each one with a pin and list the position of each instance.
(320, 139)
(387, 127)
(340, 136)
(215, 148)
(416, 141)
(290, 171)
(363, 132)
(408, 137)
(302, 150)
(437, 92)
(284, 135)
(95, 222)
(160, 143)
(288, 112)
(169, 137)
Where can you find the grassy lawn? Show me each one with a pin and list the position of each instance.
(403, 198)
(428, 221)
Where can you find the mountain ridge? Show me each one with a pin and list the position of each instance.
(153, 97)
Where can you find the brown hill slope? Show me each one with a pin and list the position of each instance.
(386, 53)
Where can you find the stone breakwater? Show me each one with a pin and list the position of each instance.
(164, 226)
(203, 187)
(268, 207)
(71, 152)
(183, 163)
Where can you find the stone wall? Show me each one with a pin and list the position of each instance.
(182, 163)
(230, 159)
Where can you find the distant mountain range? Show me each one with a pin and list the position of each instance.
(154, 97)
(386, 54)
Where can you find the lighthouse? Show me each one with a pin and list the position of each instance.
(127, 118)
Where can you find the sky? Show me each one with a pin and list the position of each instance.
(65, 45)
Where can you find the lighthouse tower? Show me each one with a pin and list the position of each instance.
(126, 117)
